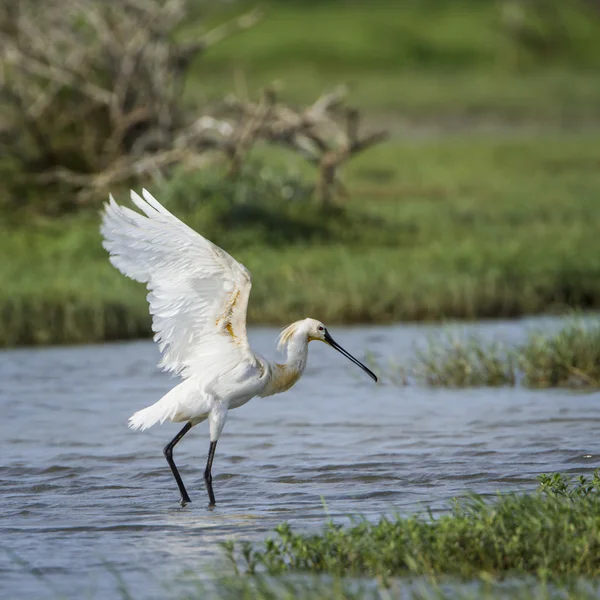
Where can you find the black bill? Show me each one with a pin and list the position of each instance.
(335, 345)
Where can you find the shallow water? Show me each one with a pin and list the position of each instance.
(85, 501)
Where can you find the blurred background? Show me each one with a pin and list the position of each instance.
(370, 162)
(367, 161)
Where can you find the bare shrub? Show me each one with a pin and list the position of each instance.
(326, 134)
(90, 92)
(91, 97)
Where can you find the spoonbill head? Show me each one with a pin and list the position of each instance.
(316, 331)
(198, 297)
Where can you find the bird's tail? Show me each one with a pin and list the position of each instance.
(159, 412)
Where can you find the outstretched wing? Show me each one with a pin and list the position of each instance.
(198, 293)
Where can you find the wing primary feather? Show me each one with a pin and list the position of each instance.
(152, 201)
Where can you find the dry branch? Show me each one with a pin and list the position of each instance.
(314, 133)
(88, 87)
(91, 95)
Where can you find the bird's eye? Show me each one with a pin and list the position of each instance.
(321, 328)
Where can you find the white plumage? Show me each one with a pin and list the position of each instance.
(198, 297)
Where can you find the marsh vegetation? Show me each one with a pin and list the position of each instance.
(552, 533)
(465, 229)
(568, 357)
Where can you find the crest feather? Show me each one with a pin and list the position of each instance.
(286, 335)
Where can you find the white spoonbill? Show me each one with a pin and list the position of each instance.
(198, 296)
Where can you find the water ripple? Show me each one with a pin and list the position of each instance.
(79, 489)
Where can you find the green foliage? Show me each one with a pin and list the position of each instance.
(461, 227)
(567, 358)
(434, 59)
(558, 485)
(264, 205)
(336, 35)
(69, 317)
(58, 286)
(548, 30)
(548, 535)
(457, 362)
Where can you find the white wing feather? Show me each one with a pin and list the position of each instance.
(198, 293)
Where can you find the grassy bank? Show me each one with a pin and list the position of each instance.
(552, 535)
(463, 227)
(484, 204)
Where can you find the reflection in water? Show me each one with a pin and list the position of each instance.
(82, 495)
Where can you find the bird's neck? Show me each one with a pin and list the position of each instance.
(284, 376)
(297, 352)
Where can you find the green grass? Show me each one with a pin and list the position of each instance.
(458, 362)
(567, 358)
(464, 227)
(415, 59)
(538, 545)
(552, 535)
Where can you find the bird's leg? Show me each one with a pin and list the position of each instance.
(168, 452)
(208, 474)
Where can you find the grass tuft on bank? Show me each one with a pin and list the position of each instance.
(568, 358)
(553, 535)
(464, 362)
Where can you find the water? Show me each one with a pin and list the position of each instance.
(85, 501)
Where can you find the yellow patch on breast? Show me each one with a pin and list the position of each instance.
(284, 378)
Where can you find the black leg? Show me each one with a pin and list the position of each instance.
(168, 452)
(208, 474)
